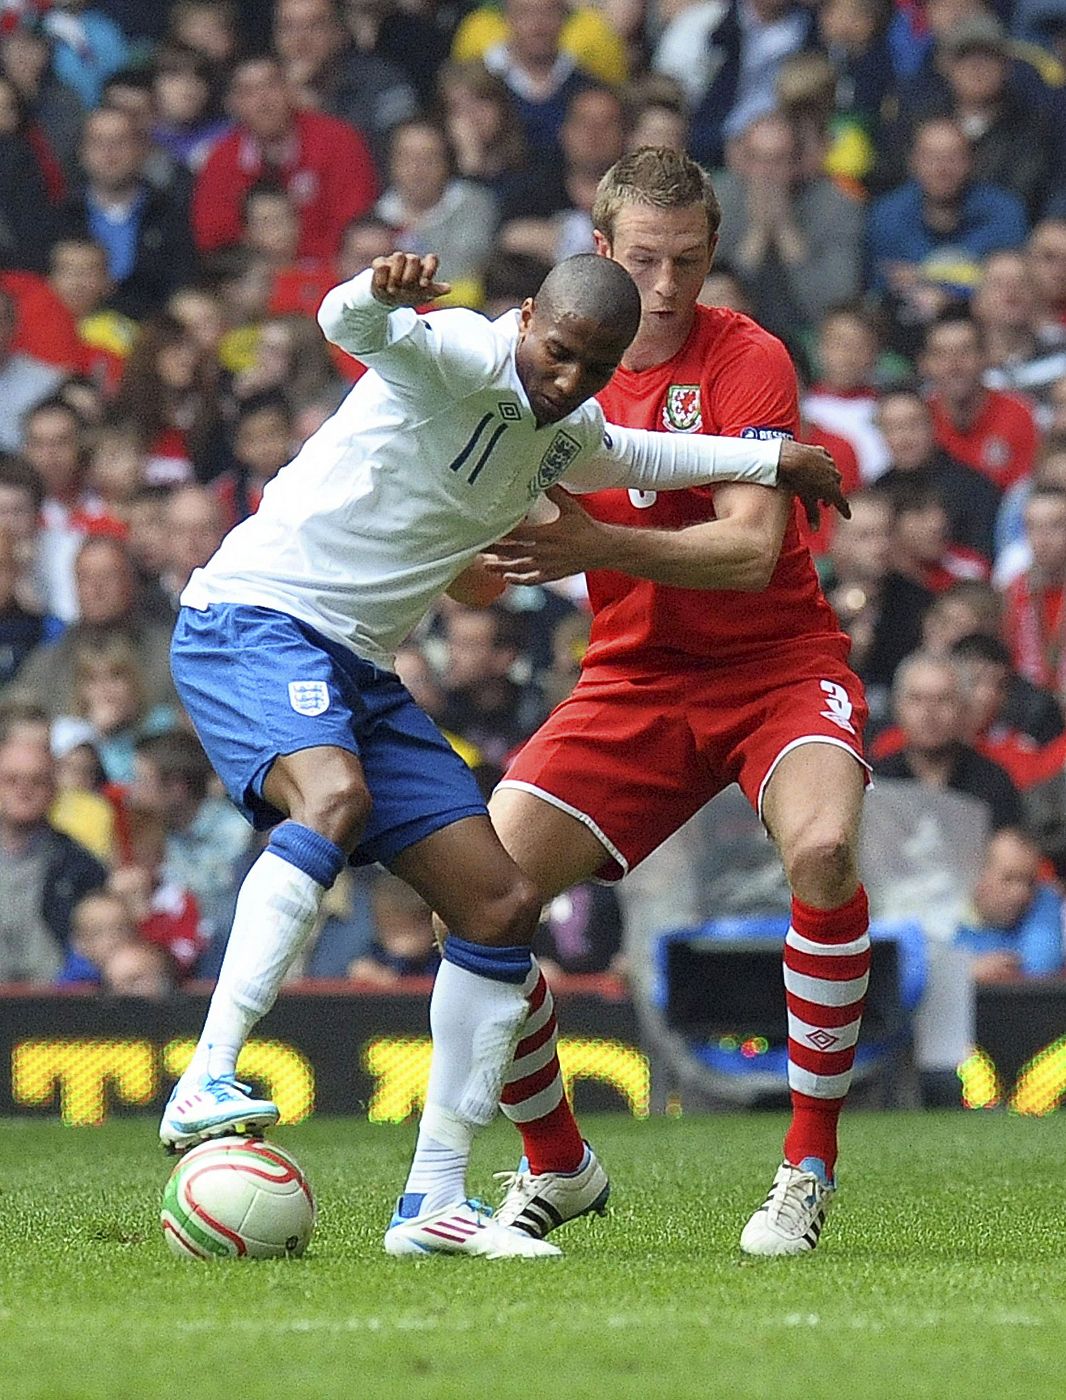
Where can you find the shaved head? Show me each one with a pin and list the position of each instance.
(573, 335)
(596, 289)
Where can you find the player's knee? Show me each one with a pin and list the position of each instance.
(338, 805)
(509, 918)
(822, 867)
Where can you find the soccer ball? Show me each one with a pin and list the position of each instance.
(237, 1198)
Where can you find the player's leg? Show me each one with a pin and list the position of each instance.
(478, 1007)
(560, 1177)
(324, 795)
(603, 782)
(283, 748)
(812, 806)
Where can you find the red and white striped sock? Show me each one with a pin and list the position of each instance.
(827, 968)
(533, 1096)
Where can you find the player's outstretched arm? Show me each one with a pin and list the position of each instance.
(647, 461)
(738, 550)
(373, 312)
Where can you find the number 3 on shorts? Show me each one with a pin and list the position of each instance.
(838, 707)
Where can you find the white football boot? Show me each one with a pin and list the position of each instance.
(540, 1204)
(790, 1220)
(468, 1227)
(211, 1108)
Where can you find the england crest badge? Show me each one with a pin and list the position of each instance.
(560, 455)
(309, 697)
(682, 411)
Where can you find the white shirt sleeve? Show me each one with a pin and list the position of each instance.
(646, 461)
(453, 347)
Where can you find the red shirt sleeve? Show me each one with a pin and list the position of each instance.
(216, 200)
(756, 390)
(1028, 439)
(351, 186)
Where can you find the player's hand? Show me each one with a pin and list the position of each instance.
(810, 473)
(568, 545)
(406, 279)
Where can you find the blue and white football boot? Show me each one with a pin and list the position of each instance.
(790, 1220)
(540, 1204)
(468, 1227)
(211, 1108)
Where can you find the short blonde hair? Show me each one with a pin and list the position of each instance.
(659, 178)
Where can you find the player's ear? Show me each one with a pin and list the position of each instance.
(601, 243)
(525, 314)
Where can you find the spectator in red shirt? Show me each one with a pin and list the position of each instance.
(164, 913)
(79, 276)
(969, 498)
(262, 444)
(1036, 600)
(323, 162)
(44, 329)
(986, 429)
(271, 229)
(922, 546)
(168, 392)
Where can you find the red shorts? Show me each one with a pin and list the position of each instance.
(634, 756)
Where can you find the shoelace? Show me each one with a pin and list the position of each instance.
(514, 1181)
(479, 1207)
(226, 1087)
(793, 1200)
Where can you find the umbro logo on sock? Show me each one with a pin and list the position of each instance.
(822, 1040)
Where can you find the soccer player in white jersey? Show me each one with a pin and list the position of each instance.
(283, 651)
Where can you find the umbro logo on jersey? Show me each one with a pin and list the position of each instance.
(509, 411)
(682, 411)
(309, 697)
(560, 455)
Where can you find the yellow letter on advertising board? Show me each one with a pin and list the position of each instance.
(400, 1066)
(623, 1067)
(81, 1069)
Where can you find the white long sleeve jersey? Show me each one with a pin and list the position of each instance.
(433, 455)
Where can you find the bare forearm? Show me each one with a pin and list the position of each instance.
(718, 554)
(475, 587)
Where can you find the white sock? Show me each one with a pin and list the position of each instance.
(475, 1022)
(277, 908)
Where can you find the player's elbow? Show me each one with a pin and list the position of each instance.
(754, 571)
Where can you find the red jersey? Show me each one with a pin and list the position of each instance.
(735, 379)
(1000, 443)
(327, 168)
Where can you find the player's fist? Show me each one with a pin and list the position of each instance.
(406, 279)
(809, 473)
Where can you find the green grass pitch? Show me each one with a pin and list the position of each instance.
(942, 1274)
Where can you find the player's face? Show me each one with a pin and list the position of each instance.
(562, 360)
(667, 252)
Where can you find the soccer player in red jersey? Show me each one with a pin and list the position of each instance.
(714, 658)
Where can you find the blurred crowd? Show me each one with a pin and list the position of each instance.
(181, 182)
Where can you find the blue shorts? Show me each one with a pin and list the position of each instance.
(258, 684)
